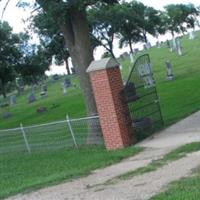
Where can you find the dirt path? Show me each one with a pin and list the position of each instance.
(139, 187)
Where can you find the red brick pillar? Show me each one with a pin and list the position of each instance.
(113, 110)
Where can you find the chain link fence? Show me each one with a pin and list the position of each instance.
(69, 133)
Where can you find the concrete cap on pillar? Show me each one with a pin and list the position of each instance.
(104, 63)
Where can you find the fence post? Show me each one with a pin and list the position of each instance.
(25, 139)
(71, 131)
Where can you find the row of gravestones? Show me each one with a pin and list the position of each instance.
(175, 46)
(32, 98)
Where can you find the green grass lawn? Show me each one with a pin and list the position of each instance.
(175, 154)
(71, 104)
(23, 172)
(178, 98)
(184, 189)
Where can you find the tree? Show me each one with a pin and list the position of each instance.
(178, 14)
(192, 14)
(34, 64)
(102, 26)
(9, 55)
(52, 39)
(149, 21)
(127, 24)
(71, 18)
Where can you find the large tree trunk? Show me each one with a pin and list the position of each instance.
(77, 39)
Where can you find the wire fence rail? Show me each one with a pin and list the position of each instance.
(69, 133)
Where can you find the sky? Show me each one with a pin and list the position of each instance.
(15, 17)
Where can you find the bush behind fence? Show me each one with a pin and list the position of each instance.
(69, 133)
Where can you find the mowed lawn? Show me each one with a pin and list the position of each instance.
(24, 172)
(71, 104)
(179, 98)
(184, 189)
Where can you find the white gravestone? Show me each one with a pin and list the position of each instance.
(178, 47)
(148, 45)
(174, 48)
(168, 65)
(64, 88)
(191, 35)
(158, 44)
(132, 58)
(13, 100)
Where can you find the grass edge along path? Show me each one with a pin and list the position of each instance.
(183, 189)
(175, 154)
(25, 173)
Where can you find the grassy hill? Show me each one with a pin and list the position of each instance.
(71, 104)
(178, 98)
(21, 172)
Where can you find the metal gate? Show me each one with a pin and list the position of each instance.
(143, 102)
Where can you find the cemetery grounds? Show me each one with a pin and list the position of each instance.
(179, 98)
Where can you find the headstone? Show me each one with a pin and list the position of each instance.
(73, 70)
(158, 44)
(191, 35)
(43, 92)
(41, 109)
(64, 90)
(178, 47)
(144, 47)
(124, 55)
(67, 83)
(136, 50)
(56, 77)
(168, 65)
(168, 44)
(7, 115)
(132, 58)
(31, 98)
(19, 85)
(148, 45)
(6, 110)
(174, 47)
(44, 87)
(13, 100)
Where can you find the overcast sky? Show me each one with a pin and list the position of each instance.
(16, 15)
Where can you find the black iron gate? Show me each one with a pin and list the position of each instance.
(143, 102)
